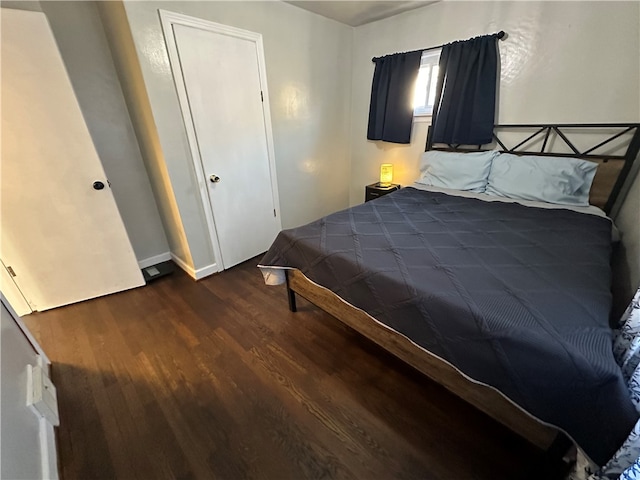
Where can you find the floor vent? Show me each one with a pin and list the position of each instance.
(159, 270)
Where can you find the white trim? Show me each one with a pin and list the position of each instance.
(183, 265)
(48, 451)
(147, 262)
(262, 71)
(206, 271)
(168, 19)
(422, 118)
(193, 273)
(14, 298)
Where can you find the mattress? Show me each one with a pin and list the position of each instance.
(515, 297)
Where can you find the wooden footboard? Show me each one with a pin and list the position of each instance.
(480, 396)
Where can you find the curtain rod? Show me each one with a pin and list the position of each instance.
(501, 34)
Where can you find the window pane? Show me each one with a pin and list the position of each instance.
(432, 85)
(424, 94)
(420, 92)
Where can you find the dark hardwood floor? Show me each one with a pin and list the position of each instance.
(217, 379)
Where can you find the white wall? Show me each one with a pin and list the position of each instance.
(27, 441)
(116, 26)
(20, 428)
(562, 62)
(308, 60)
(80, 37)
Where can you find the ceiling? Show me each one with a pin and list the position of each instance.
(355, 12)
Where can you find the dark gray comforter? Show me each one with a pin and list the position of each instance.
(513, 296)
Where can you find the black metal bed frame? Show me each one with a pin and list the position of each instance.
(628, 157)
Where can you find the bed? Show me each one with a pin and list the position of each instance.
(504, 303)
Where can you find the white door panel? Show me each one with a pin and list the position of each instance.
(64, 240)
(222, 83)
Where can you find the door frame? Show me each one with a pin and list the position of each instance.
(168, 19)
(11, 292)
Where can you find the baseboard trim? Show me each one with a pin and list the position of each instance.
(147, 262)
(206, 271)
(181, 263)
(193, 273)
(48, 450)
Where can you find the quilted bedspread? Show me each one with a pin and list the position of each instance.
(515, 297)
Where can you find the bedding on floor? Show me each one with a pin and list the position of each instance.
(515, 297)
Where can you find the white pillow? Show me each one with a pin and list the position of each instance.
(565, 181)
(460, 171)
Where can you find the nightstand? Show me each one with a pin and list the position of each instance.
(376, 190)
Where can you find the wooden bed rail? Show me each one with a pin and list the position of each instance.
(480, 396)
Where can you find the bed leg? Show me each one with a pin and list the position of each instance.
(290, 294)
(553, 463)
(560, 446)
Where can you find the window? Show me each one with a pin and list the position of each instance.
(424, 95)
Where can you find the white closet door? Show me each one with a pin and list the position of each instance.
(222, 83)
(62, 237)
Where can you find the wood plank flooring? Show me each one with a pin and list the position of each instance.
(217, 379)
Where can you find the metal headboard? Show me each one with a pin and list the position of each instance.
(607, 143)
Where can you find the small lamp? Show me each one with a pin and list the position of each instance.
(386, 174)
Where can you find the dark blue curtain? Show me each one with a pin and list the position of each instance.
(464, 111)
(391, 109)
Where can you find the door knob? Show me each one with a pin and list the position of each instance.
(98, 185)
(214, 178)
